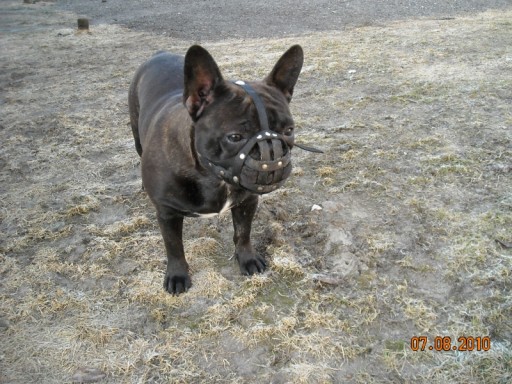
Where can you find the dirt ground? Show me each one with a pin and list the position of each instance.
(200, 20)
(401, 229)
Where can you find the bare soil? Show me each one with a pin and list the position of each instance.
(401, 229)
(200, 20)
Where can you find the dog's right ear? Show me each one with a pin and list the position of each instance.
(201, 76)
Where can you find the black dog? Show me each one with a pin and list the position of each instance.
(208, 145)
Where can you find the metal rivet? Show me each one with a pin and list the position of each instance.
(260, 188)
(280, 163)
(274, 134)
(210, 164)
(222, 173)
(264, 166)
(235, 179)
(240, 82)
(267, 133)
(242, 156)
(259, 137)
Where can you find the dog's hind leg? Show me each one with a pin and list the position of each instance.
(134, 107)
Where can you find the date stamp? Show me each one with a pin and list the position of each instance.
(445, 343)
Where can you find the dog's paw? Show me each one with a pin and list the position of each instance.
(251, 264)
(176, 284)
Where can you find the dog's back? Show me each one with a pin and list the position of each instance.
(159, 79)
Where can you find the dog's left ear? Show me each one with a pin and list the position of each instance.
(285, 73)
(201, 76)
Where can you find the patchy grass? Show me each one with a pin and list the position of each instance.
(414, 186)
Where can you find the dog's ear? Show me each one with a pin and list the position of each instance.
(201, 75)
(285, 73)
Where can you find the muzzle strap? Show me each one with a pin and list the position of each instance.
(262, 114)
(258, 103)
(308, 148)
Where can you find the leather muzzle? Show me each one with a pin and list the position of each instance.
(261, 166)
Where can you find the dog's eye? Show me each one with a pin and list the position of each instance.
(288, 131)
(235, 138)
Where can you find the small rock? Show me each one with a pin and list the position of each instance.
(57, 226)
(345, 264)
(501, 168)
(506, 245)
(88, 375)
(342, 127)
(344, 147)
(326, 279)
(4, 324)
(332, 206)
(338, 235)
(65, 32)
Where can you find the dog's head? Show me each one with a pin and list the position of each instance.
(243, 132)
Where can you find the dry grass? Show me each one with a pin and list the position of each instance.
(414, 187)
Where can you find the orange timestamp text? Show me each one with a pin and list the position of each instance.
(445, 343)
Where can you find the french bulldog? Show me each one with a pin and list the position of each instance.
(208, 145)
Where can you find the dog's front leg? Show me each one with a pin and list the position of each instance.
(248, 260)
(177, 279)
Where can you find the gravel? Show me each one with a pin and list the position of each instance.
(199, 20)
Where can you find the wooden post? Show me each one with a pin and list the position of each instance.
(83, 24)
